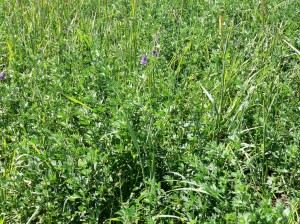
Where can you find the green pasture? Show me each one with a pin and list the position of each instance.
(130, 111)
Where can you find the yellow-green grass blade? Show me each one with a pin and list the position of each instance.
(77, 101)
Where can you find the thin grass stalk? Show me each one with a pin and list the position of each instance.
(135, 142)
(264, 162)
(263, 14)
(221, 24)
(223, 78)
(133, 35)
(182, 6)
(151, 82)
(153, 152)
(152, 171)
(106, 26)
(4, 174)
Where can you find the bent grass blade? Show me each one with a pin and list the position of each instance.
(77, 101)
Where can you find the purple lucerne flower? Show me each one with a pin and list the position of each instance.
(155, 53)
(2, 75)
(144, 60)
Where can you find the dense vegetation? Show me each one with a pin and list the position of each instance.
(205, 129)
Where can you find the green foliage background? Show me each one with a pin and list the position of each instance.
(207, 132)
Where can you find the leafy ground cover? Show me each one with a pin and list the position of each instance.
(149, 111)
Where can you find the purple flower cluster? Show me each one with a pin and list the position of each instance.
(155, 53)
(2, 75)
(144, 57)
(144, 60)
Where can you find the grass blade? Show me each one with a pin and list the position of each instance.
(291, 46)
(77, 101)
(211, 99)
